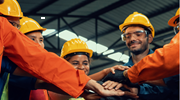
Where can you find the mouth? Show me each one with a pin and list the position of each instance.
(133, 45)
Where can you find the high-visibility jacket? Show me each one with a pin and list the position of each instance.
(164, 62)
(37, 61)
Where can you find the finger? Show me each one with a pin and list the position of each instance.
(118, 86)
(108, 85)
(114, 84)
(105, 83)
(113, 70)
(130, 94)
(120, 93)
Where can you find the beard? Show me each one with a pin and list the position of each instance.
(140, 50)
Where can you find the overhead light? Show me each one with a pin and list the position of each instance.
(48, 31)
(115, 56)
(83, 38)
(124, 58)
(108, 52)
(91, 45)
(101, 48)
(67, 35)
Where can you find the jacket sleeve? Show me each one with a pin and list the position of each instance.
(164, 62)
(42, 64)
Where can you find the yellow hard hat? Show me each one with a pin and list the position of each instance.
(11, 8)
(29, 25)
(171, 21)
(75, 45)
(137, 18)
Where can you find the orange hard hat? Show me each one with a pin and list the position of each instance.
(171, 22)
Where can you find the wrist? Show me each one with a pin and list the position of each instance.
(105, 71)
(125, 74)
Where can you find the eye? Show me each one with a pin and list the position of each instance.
(138, 34)
(85, 63)
(41, 40)
(33, 39)
(75, 63)
(127, 36)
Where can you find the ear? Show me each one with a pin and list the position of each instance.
(150, 38)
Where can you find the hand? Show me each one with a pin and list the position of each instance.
(132, 89)
(114, 92)
(112, 85)
(116, 67)
(93, 85)
(117, 77)
(90, 96)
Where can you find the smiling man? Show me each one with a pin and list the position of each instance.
(138, 33)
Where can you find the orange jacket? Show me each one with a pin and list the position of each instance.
(164, 62)
(42, 64)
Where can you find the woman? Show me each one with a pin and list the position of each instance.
(79, 55)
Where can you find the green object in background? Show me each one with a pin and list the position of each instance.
(4, 95)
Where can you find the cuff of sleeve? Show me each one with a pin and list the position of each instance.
(133, 74)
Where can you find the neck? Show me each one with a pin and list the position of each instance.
(137, 58)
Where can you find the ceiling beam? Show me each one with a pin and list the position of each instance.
(66, 12)
(99, 12)
(149, 15)
(96, 14)
(40, 7)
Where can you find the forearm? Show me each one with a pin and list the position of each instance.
(159, 82)
(19, 72)
(99, 75)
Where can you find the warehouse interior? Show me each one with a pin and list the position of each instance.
(97, 22)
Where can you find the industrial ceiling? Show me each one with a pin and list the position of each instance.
(99, 20)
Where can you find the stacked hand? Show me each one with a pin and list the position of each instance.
(93, 85)
(116, 73)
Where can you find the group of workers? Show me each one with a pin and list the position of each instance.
(29, 72)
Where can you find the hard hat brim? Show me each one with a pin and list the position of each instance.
(171, 21)
(80, 50)
(43, 29)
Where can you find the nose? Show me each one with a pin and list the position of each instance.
(80, 67)
(133, 37)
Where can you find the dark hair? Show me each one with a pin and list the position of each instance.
(69, 56)
(34, 31)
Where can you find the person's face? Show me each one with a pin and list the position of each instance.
(36, 37)
(137, 41)
(14, 21)
(80, 62)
